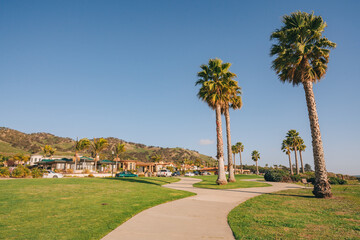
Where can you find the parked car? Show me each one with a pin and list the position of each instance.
(197, 173)
(164, 173)
(177, 173)
(205, 173)
(189, 174)
(52, 174)
(125, 174)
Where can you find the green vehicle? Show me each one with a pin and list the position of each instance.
(125, 174)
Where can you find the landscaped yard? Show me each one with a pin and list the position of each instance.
(210, 182)
(76, 208)
(297, 214)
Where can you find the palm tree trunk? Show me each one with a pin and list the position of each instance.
(257, 168)
(220, 148)
(302, 163)
(228, 141)
(322, 188)
(241, 165)
(291, 169)
(296, 161)
(234, 163)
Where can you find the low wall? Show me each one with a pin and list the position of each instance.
(85, 175)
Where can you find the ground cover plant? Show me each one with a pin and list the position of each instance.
(210, 182)
(297, 214)
(76, 208)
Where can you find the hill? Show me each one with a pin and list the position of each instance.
(15, 142)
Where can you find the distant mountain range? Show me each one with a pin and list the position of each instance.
(15, 142)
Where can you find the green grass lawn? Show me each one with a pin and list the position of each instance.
(210, 182)
(297, 214)
(76, 208)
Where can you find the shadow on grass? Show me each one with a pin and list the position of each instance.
(152, 181)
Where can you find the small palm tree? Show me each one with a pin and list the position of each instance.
(234, 150)
(156, 158)
(119, 148)
(255, 155)
(286, 148)
(80, 145)
(293, 139)
(48, 151)
(98, 146)
(241, 149)
(302, 55)
(301, 149)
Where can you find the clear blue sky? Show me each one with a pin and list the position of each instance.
(127, 69)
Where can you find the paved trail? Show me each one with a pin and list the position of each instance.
(203, 216)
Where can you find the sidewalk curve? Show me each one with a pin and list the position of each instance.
(203, 216)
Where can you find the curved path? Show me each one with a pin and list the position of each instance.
(203, 216)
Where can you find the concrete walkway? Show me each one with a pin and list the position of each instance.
(203, 216)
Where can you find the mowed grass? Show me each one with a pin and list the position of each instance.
(210, 182)
(76, 208)
(296, 214)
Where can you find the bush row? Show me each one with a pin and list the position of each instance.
(21, 172)
(279, 175)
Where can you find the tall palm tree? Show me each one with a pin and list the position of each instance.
(301, 149)
(235, 102)
(97, 147)
(241, 149)
(156, 158)
(286, 148)
(80, 145)
(302, 55)
(293, 139)
(48, 151)
(119, 148)
(255, 155)
(214, 90)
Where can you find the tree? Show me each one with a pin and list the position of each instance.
(97, 146)
(293, 140)
(286, 148)
(80, 145)
(235, 150)
(241, 149)
(48, 151)
(235, 102)
(301, 149)
(255, 155)
(308, 168)
(156, 158)
(215, 91)
(302, 55)
(119, 148)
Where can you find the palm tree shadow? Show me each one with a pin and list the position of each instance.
(156, 182)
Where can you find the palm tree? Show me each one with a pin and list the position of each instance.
(286, 148)
(80, 145)
(156, 158)
(293, 139)
(235, 102)
(119, 148)
(97, 147)
(241, 149)
(301, 148)
(234, 150)
(255, 155)
(302, 55)
(48, 151)
(215, 80)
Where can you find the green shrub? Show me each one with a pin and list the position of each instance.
(275, 175)
(37, 173)
(4, 172)
(20, 172)
(296, 178)
(336, 181)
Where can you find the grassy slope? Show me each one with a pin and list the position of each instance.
(73, 208)
(210, 182)
(296, 214)
(8, 149)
